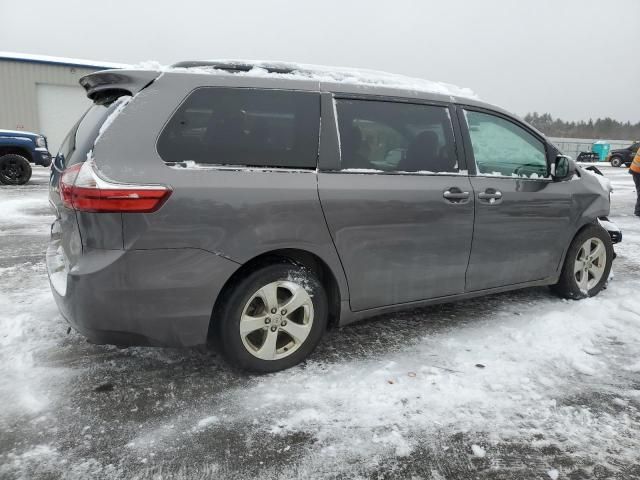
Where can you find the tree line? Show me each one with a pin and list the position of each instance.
(605, 128)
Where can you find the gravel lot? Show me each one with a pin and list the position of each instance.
(513, 386)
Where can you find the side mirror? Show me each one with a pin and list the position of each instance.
(562, 168)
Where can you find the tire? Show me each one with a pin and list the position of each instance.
(252, 337)
(14, 169)
(586, 268)
(616, 162)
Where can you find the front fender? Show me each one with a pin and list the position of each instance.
(590, 199)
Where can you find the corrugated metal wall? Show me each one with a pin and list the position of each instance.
(18, 98)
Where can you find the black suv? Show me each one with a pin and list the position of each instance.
(623, 156)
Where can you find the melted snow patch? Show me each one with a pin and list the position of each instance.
(120, 105)
(478, 451)
(361, 170)
(207, 421)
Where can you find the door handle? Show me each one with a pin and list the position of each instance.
(455, 194)
(496, 195)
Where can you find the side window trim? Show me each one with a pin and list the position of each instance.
(330, 157)
(329, 144)
(464, 166)
(469, 155)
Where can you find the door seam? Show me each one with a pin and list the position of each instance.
(473, 234)
(335, 248)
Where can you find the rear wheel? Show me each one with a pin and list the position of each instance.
(273, 318)
(587, 265)
(14, 169)
(616, 161)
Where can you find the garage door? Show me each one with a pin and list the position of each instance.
(59, 108)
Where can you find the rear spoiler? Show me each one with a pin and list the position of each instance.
(106, 83)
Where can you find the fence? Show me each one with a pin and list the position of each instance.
(573, 146)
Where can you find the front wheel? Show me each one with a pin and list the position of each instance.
(273, 318)
(616, 162)
(587, 264)
(14, 169)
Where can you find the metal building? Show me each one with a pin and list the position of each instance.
(41, 94)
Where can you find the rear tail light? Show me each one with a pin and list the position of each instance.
(82, 189)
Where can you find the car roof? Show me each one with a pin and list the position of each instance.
(18, 132)
(334, 79)
(287, 75)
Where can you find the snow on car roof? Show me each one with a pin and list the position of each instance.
(323, 73)
(72, 62)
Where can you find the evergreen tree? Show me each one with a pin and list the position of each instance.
(604, 128)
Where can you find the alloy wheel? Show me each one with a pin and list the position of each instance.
(276, 320)
(12, 170)
(590, 264)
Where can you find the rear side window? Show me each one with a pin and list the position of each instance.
(395, 137)
(246, 127)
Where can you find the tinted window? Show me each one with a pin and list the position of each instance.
(393, 136)
(503, 148)
(83, 135)
(236, 126)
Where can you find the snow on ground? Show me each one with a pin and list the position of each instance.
(518, 385)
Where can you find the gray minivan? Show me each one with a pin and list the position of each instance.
(255, 205)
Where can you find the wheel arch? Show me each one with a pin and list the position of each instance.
(565, 287)
(13, 150)
(617, 156)
(584, 224)
(298, 256)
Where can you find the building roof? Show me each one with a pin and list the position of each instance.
(60, 61)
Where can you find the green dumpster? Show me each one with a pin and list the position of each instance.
(601, 148)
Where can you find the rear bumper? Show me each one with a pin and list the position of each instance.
(140, 297)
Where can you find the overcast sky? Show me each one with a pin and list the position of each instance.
(573, 58)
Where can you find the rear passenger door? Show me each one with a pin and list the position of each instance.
(396, 199)
(523, 217)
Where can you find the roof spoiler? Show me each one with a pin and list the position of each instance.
(106, 83)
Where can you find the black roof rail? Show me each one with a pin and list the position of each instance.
(233, 66)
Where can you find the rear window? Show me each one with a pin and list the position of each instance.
(246, 127)
(83, 135)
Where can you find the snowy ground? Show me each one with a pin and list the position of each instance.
(514, 386)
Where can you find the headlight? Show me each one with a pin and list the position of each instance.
(41, 142)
